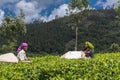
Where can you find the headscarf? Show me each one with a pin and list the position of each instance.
(24, 44)
(90, 45)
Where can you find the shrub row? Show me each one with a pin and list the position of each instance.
(101, 67)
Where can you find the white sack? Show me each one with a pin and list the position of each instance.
(74, 55)
(8, 57)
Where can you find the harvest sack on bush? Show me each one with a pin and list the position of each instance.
(74, 55)
(8, 57)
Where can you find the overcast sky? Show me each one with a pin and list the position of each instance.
(44, 9)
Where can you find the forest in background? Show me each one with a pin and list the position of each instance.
(101, 27)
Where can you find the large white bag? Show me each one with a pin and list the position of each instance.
(74, 55)
(8, 57)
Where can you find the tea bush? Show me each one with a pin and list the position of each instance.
(101, 67)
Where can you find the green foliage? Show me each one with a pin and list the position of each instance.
(11, 30)
(69, 46)
(80, 4)
(117, 9)
(99, 27)
(114, 47)
(77, 4)
(101, 67)
(9, 47)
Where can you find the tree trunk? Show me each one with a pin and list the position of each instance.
(76, 40)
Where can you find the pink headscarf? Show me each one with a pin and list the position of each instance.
(24, 44)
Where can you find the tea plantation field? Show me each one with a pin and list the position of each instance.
(101, 67)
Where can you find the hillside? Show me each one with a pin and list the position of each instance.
(101, 27)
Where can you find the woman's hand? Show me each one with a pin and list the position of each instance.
(27, 59)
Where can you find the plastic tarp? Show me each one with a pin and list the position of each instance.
(8, 57)
(74, 55)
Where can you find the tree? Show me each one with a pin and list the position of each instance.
(99, 27)
(11, 30)
(117, 8)
(38, 21)
(78, 4)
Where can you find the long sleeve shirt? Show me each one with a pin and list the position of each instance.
(22, 55)
(88, 52)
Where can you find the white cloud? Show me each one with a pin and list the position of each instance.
(41, 2)
(1, 15)
(107, 4)
(29, 8)
(59, 12)
(32, 8)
